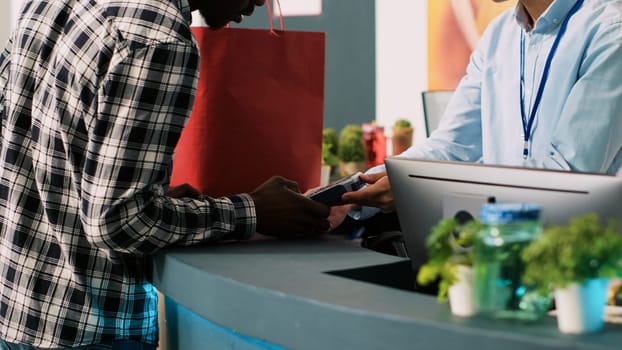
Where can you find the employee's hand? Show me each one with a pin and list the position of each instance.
(282, 211)
(376, 194)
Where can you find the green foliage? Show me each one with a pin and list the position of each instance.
(402, 123)
(351, 147)
(328, 157)
(329, 136)
(581, 250)
(330, 143)
(449, 245)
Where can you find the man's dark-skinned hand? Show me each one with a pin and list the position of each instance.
(184, 190)
(282, 211)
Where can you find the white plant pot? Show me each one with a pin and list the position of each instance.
(581, 308)
(462, 293)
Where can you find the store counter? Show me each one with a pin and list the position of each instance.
(325, 293)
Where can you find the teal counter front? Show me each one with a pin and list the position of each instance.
(326, 293)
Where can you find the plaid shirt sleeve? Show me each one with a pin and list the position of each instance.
(141, 108)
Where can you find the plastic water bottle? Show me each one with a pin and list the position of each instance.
(498, 266)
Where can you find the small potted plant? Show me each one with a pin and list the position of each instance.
(450, 260)
(351, 150)
(575, 262)
(402, 136)
(329, 154)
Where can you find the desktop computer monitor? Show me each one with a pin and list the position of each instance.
(426, 191)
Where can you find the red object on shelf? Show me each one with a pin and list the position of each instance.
(375, 144)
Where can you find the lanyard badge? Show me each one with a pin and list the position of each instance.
(528, 123)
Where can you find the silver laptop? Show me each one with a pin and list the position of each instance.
(427, 191)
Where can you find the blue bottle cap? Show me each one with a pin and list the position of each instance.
(503, 213)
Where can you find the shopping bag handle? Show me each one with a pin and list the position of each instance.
(271, 16)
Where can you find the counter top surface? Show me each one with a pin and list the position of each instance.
(330, 293)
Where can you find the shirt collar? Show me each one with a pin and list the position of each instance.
(552, 17)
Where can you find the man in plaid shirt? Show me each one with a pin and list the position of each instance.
(93, 97)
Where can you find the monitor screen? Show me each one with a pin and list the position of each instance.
(426, 191)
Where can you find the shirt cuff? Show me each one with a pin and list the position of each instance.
(245, 216)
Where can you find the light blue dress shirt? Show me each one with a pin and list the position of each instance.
(578, 125)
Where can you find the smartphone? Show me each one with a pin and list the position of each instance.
(331, 193)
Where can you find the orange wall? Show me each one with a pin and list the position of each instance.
(448, 50)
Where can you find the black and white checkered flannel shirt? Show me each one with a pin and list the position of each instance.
(93, 97)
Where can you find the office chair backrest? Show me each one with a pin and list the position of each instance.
(434, 104)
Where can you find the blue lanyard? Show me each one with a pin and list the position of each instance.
(527, 124)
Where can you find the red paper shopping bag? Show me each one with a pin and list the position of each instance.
(258, 111)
